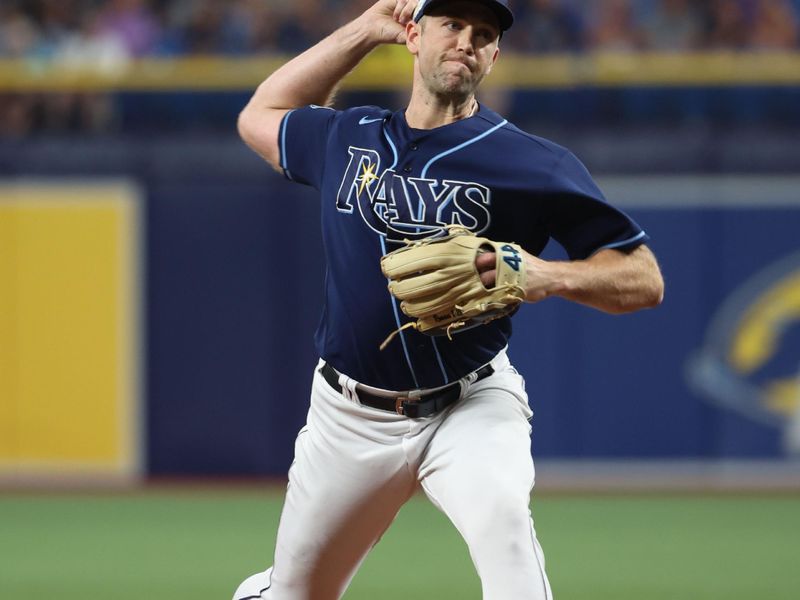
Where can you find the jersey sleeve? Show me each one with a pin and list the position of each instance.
(303, 139)
(579, 217)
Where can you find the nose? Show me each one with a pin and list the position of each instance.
(465, 41)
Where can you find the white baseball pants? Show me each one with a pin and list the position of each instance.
(356, 466)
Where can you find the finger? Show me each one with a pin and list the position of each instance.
(485, 261)
(398, 10)
(442, 282)
(420, 260)
(431, 305)
(489, 278)
(408, 11)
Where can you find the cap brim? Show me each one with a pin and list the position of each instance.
(505, 17)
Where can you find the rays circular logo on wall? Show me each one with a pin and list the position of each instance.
(750, 359)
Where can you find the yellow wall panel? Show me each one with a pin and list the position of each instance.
(8, 333)
(70, 376)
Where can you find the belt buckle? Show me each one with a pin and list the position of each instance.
(409, 397)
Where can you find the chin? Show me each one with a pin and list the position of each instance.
(454, 86)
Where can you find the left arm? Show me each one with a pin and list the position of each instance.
(613, 281)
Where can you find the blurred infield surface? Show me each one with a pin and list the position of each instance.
(199, 543)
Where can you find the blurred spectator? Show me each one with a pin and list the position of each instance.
(104, 35)
(175, 27)
(350, 9)
(304, 24)
(726, 25)
(19, 34)
(205, 30)
(614, 27)
(56, 21)
(549, 26)
(92, 47)
(673, 25)
(251, 26)
(774, 25)
(132, 22)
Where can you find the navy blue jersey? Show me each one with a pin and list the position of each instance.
(382, 182)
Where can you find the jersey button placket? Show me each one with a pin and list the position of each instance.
(411, 146)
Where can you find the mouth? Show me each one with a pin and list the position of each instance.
(461, 63)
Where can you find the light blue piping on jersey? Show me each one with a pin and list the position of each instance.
(394, 148)
(638, 236)
(397, 320)
(460, 146)
(285, 124)
(394, 304)
(423, 175)
(439, 359)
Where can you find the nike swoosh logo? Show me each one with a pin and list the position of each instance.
(367, 120)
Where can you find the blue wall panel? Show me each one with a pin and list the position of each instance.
(234, 296)
(233, 287)
(235, 279)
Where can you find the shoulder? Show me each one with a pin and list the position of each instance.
(533, 143)
(314, 113)
(361, 115)
(544, 162)
(521, 142)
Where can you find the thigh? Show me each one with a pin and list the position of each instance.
(346, 484)
(478, 470)
(486, 438)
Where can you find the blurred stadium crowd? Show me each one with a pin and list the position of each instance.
(134, 28)
(107, 34)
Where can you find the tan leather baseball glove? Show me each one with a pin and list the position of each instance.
(438, 284)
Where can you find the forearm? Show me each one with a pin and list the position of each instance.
(312, 77)
(611, 281)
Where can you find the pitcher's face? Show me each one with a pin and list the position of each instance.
(456, 46)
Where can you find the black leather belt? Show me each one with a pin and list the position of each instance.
(413, 407)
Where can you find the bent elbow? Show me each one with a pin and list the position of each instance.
(647, 297)
(653, 296)
(259, 130)
(651, 291)
(658, 297)
(657, 292)
(243, 125)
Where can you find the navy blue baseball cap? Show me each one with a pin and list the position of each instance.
(500, 7)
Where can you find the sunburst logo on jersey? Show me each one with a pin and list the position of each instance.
(750, 361)
(368, 175)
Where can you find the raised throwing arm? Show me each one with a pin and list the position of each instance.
(312, 77)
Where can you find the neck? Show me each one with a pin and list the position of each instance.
(427, 111)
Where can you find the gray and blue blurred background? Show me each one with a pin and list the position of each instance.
(160, 285)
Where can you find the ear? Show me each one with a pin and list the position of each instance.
(495, 56)
(413, 33)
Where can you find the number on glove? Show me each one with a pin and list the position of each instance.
(513, 258)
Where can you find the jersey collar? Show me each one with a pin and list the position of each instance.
(481, 121)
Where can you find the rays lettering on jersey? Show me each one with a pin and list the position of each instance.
(402, 207)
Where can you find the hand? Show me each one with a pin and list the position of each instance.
(388, 19)
(485, 264)
(538, 275)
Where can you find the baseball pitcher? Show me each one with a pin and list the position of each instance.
(432, 220)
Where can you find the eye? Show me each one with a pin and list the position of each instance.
(487, 34)
(453, 25)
